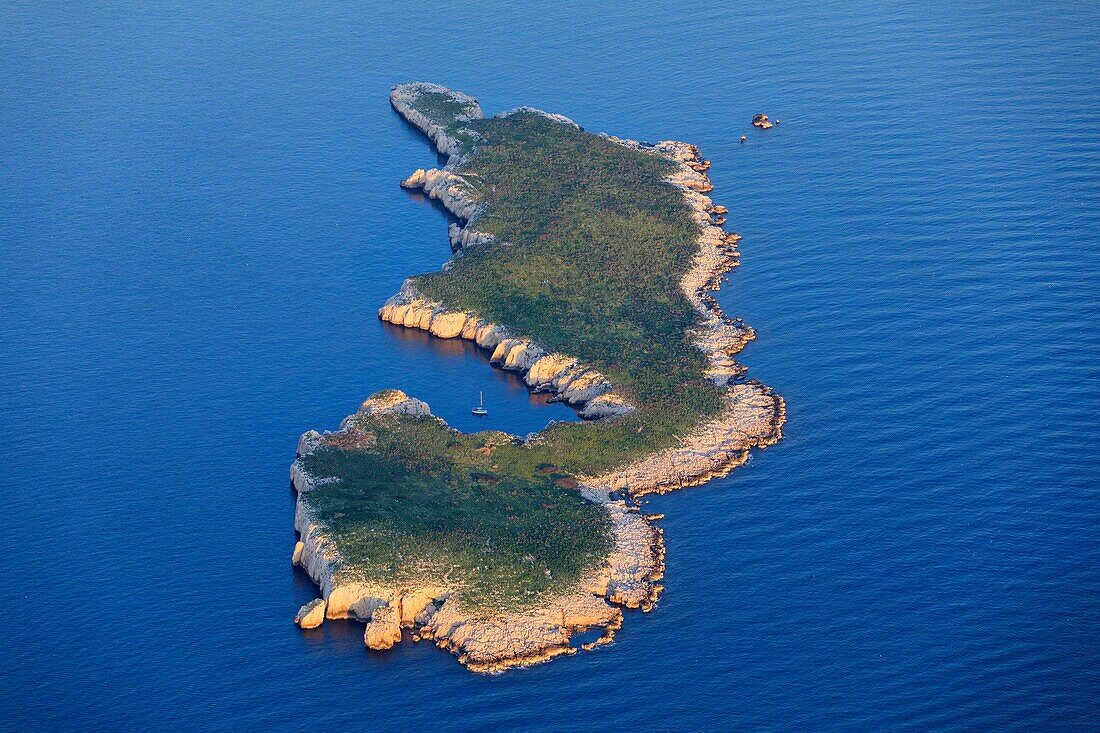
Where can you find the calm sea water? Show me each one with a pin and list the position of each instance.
(200, 215)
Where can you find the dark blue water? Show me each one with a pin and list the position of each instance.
(200, 215)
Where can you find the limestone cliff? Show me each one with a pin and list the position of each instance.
(404, 98)
(573, 382)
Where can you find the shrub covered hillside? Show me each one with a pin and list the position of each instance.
(591, 244)
(418, 503)
(590, 247)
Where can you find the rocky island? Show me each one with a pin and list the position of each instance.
(585, 264)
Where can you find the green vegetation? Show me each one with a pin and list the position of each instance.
(444, 110)
(417, 501)
(591, 246)
(599, 243)
(441, 108)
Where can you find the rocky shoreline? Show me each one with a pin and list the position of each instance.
(562, 375)
(403, 98)
(752, 417)
(484, 643)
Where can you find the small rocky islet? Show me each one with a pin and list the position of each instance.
(584, 263)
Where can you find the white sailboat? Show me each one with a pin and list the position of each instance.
(480, 409)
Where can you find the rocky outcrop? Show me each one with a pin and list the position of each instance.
(450, 189)
(761, 120)
(490, 644)
(637, 561)
(563, 375)
(465, 237)
(442, 132)
(752, 418)
(312, 614)
(384, 629)
(393, 401)
(717, 336)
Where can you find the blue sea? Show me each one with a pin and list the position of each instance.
(199, 216)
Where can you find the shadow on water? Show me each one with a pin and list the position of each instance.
(415, 132)
(422, 199)
(461, 372)
(451, 374)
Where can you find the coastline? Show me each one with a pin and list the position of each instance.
(483, 642)
(566, 377)
(752, 417)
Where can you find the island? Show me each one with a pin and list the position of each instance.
(585, 264)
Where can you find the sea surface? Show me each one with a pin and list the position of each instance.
(199, 216)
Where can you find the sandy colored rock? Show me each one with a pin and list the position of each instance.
(394, 401)
(394, 313)
(312, 614)
(448, 325)
(489, 336)
(411, 316)
(448, 188)
(761, 120)
(416, 605)
(384, 629)
(523, 356)
(588, 386)
(416, 180)
(501, 349)
(519, 638)
(545, 369)
(470, 328)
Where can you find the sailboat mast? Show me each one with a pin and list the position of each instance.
(480, 409)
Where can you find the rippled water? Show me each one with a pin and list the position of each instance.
(200, 215)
